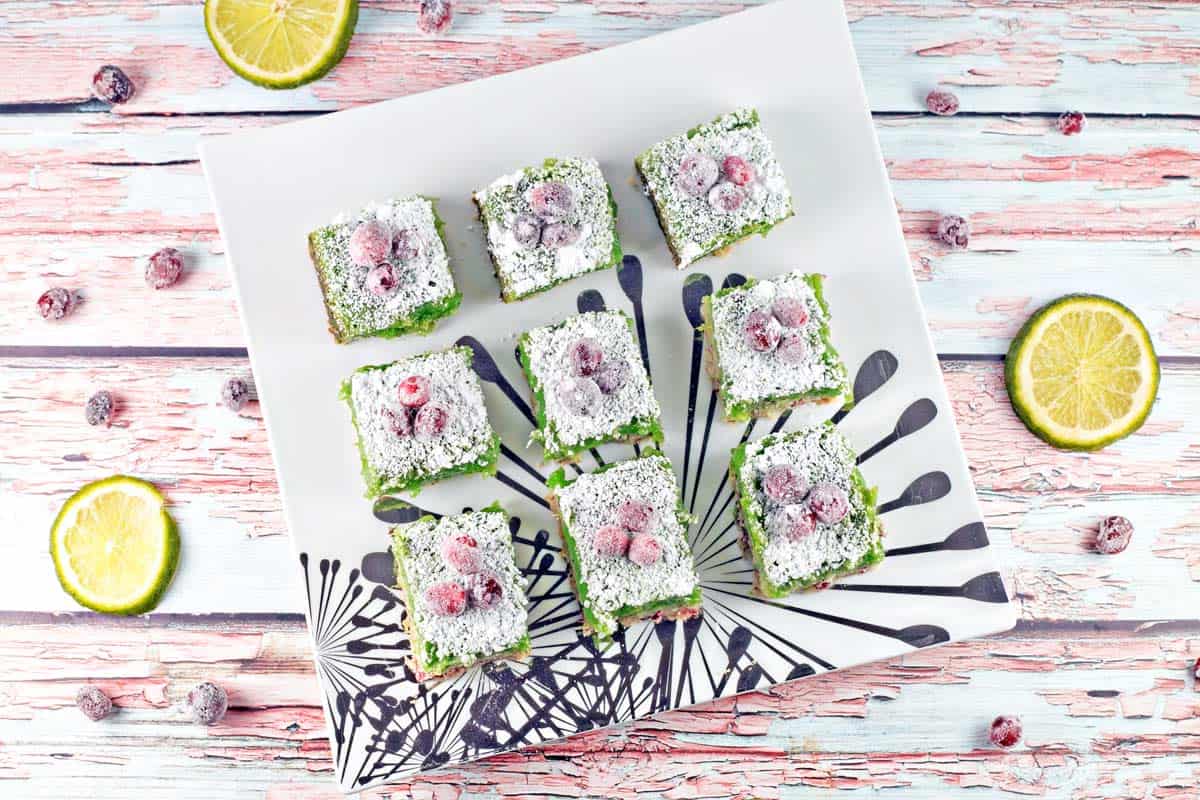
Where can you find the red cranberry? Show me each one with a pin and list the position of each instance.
(527, 230)
(635, 516)
(611, 541)
(725, 198)
(1196, 674)
(560, 234)
(784, 484)
(1114, 535)
(235, 394)
(434, 16)
(579, 395)
(414, 391)
(462, 553)
(99, 408)
(942, 103)
(792, 312)
(446, 599)
(484, 590)
(644, 550)
(697, 174)
(94, 703)
(370, 244)
(431, 420)
(828, 503)
(737, 170)
(793, 522)
(792, 350)
(399, 423)
(1071, 123)
(164, 268)
(762, 331)
(586, 356)
(954, 231)
(1005, 731)
(551, 199)
(112, 85)
(611, 376)
(382, 280)
(56, 303)
(406, 245)
(208, 703)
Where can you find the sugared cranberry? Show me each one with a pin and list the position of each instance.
(413, 391)
(56, 303)
(446, 599)
(1196, 674)
(792, 312)
(462, 553)
(484, 590)
(611, 376)
(207, 702)
(235, 393)
(551, 199)
(1005, 731)
(611, 541)
(942, 103)
(784, 484)
(697, 174)
(737, 170)
(792, 350)
(399, 422)
(94, 703)
(382, 280)
(635, 516)
(954, 231)
(644, 550)
(725, 197)
(112, 85)
(431, 420)
(1114, 535)
(370, 244)
(560, 234)
(579, 395)
(1071, 123)
(828, 502)
(793, 522)
(434, 16)
(762, 331)
(406, 245)
(99, 408)
(586, 356)
(527, 230)
(164, 268)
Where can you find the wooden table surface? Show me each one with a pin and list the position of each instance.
(1098, 665)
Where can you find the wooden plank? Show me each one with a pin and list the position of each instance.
(1042, 505)
(1112, 710)
(1004, 56)
(1051, 215)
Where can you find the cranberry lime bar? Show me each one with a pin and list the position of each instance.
(769, 346)
(463, 593)
(624, 535)
(589, 384)
(807, 514)
(384, 270)
(420, 420)
(548, 224)
(715, 185)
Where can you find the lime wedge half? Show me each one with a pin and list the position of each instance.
(1082, 372)
(280, 44)
(114, 546)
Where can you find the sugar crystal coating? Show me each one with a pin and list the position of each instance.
(448, 599)
(163, 268)
(112, 85)
(697, 174)
(586, 356)
(1005, 731)
(208, 703)
(783, 483)
(431, 420)
(762, 331)
(406, 245)
(461, 551)
(382, 280)
(611, 541)
(611, 376)
(370, 244)
(828, 503)
(527, 229)
(94, 703)
(792, 312)
(737, 170)
(635, 516)
(644, 550)
(413, 391)
(484, 590)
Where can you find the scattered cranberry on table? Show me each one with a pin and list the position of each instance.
(434, 16)
(1114, 535)
(1005, 731)
(954, 231)
(1071, 123)
(99, 408)
(611, 541)
(112, 85)
(94, 703)
(235, 394)
(942, 103)
(644, 550)
(207, 703)
(446, 599)
(57, 303)
(164, 268)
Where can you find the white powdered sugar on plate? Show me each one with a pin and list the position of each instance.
(477, 631)
(614, 581)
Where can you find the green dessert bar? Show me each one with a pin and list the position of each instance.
(806, 512)
(769, 346)
(548, 224)
(715, 185)
(420, 420)
(624, 534)
(589, 384)
(463, 593)
(384, 271)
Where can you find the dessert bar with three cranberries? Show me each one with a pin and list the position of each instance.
(420, 420)
(589, 384)
(464, 595)
(624, 534)
(384, 271)
(769, 346)
(807, 515)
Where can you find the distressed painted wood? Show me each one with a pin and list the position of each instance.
(94, 194)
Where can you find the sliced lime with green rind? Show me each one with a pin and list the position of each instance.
(280, 44)
(115, 547)
(1082, 372)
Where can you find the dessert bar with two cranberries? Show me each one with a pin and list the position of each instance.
(464, 595)
(420, 420)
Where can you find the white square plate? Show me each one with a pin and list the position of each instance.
(793, 61)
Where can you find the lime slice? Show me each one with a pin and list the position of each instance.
(1082, 372)
(114, 546)
(280, 44)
